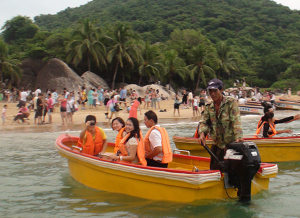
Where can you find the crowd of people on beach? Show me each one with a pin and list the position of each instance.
(44, 104)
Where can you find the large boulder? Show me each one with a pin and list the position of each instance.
(56, 74)
(92, 80)
(31, 67)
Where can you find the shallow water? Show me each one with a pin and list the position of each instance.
(35, 182)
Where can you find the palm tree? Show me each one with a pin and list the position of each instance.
(124, 47)
(86, 42)
(149, 64)
(8, 66)
(226, 60)
(174, 65)
(197, 56)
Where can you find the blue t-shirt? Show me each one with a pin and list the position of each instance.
(123, 93)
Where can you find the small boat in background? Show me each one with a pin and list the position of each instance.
(186, 179)
(250, 109)
(284, 104)
(277, 149)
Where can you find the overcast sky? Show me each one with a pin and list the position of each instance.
(32, 8)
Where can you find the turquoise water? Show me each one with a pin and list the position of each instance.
(35, 182)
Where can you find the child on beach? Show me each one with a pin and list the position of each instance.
(3, 114)
(195, 106)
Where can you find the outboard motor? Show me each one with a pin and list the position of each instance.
(242, 161)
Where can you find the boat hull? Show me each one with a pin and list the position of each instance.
(178, 184)
(285, 105)
(249, 109)
(281, 149)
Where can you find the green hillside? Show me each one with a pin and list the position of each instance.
(262, 36)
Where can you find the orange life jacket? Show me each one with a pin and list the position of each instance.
(90, 145)
(165, 141)
(272, 126)
(118, 140)
(140, 148)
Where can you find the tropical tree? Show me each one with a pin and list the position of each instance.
(8, 66)
(86, 42)
(197, 56)
(150, 64)
(124, 47)
(227, 62)
(174, 65)
(19, 29)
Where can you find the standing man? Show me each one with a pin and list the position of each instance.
(23, 97)
(158, 151)
(123, 95)
(190, 97)
(221, 119)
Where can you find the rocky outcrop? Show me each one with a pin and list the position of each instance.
(92, 80)
(56, 74)
(31, 68)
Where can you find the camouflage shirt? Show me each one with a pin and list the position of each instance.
(224, 128)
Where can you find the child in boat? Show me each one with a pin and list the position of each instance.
(92, 139)
(268, 126)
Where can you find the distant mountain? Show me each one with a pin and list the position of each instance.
(156, 19)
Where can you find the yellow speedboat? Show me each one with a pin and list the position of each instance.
(186, 179)
(277, 149)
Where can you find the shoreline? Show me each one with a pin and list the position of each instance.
(186, 115)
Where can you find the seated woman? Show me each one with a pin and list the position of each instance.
(267, 129)
(20, 115)
(118, 124)
(92, 139)
(131, 147)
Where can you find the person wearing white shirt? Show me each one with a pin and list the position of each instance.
(154, 137)
(37, 91)
(242, 100)
(23, 97)
(190, 96)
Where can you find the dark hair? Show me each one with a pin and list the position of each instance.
(269, 115)
(151, 116)
(120, 120)
(5, 105)
(136, 131)
(90, 118)
(140, 100)
(112, 96)
(49, 94)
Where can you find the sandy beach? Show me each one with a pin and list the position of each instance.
(79, 117)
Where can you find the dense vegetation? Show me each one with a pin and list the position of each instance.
(184, 41)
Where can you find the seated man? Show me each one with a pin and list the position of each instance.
(158, 151)
(92, 139)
